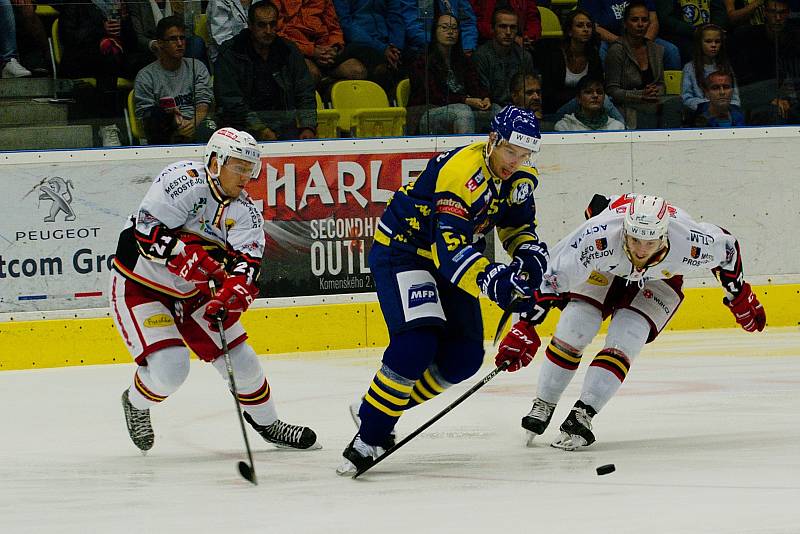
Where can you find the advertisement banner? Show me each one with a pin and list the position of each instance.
(63, 220)
(320, 214)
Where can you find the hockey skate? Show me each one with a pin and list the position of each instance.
(576, 430)
(354, 407)
(358, 456)
(138, 421)
(286, 436)
(537, 419)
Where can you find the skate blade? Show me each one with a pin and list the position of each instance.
(316, 446)
(346, 469)
(529, 438)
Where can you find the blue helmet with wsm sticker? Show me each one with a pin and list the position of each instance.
(518, 127)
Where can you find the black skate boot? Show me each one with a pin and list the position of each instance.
(138, 421)
(358, 456)
(576, 430)
(285, 435)
(537, 419)
(388, 442)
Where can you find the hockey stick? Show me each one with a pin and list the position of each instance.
(505, 317)
(248, 471)
(436, 417)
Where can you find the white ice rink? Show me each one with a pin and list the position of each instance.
(705, 436)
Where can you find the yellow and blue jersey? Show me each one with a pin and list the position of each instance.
(445, 213)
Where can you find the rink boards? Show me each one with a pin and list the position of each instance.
(742, 179)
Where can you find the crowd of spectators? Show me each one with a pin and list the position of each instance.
(259, 63)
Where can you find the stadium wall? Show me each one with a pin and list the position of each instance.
(740, 179)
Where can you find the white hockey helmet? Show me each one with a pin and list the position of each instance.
(230, 143)
(647, 218)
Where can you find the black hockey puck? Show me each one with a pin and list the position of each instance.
(606, 469)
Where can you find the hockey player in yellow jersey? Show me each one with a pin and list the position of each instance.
(429, 267)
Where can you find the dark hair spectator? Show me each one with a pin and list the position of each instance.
(709, 54)
(144, 17)
(499, 59)
(563, 63)
(679, 20)
(591, 113)
(445, 97)
(419, 35)
(173, 95)
(718, 111)
(635, 70)
(528, 19)
(261, 82)
(608, 17)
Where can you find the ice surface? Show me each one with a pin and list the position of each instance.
(705, 436)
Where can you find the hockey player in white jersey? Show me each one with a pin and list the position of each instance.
(626, 261)
(196, 224)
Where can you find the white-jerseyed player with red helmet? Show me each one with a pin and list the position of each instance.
(626, 261)
(196, 224)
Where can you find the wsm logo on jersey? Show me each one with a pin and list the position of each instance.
(419, 294)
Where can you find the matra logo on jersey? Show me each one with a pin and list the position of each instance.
(475, 182)
(522, 191)
(601, 244)
(419, 294)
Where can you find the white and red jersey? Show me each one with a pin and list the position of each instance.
(597, 246)
(185, 206)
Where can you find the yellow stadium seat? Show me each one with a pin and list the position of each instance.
(364, 110)
(45, 10)
(403, 90)
(136, 126)
(672, 81)
(201, 27)
(551, 27)
(122, 83)
(327, 120)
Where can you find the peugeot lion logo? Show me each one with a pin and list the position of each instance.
(59, 192)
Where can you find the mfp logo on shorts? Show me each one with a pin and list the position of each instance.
(419, 294)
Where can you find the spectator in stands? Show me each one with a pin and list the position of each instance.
(173, 94)
(313, 26)
(377, 27)
(444, 98)
(526, 93)
(635, 69)
(563, 63)
(764, 59)
(226, 18)
(261, 81)
(9, 57)
(499, 59)
(679, 18)
(528, 19)
(145, 16)
(591, 114)
(607, 15)
(31, 35)
(709, 54)
(744, 12)
(417, 28)
(718, 111)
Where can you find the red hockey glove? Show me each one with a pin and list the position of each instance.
(195, 265)
(519, 346)
(747, 310)
(236, 295)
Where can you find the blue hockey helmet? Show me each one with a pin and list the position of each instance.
(518, 127)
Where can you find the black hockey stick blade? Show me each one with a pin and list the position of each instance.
(503, 366)
(248, 473)
(502, 324)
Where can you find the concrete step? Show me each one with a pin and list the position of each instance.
(32, 87)
(27, 112)
(46, 137)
